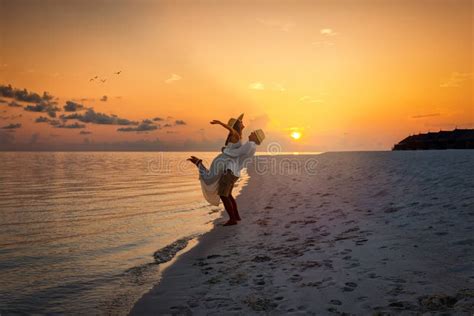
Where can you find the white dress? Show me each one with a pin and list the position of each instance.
(234, 157)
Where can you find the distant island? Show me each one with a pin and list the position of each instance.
(456, 139)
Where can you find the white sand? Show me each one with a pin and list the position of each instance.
(368, 233)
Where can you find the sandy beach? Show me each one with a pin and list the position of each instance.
(363, 233)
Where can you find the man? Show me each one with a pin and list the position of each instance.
(218, 182)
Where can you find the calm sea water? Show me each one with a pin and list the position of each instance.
(78, 230)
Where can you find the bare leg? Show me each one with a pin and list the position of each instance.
(234, 207)
(230, 210)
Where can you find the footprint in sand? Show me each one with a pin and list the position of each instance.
(335, 302)
(350, 286)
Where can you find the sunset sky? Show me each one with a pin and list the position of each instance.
(346, 75)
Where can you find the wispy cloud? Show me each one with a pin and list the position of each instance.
(173, 78)
(309, 99)
(425, 115)
(24, 95)
(43, 108)
(14, 104)
(257, 86)
(275, 86)
(455, 80)
(73, 125)
(12, 126)
(42, 119)
(279, 25)
(99, 118)
(278, 87)
(71, 106)
(328, 32)
(144, 126)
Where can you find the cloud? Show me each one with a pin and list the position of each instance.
(276, 24)
(145, 126)
(455, 80)
(179, 122)
(85, 133)
(42, 119)
(54, 122)
(328, 32)
(273, 86)
(12, 126)
(279, 87)
(173, 78)
(308, 99)
(73, 125)
(43, 107)
(71, 106)
(14, 104)
(11, 117)
(425, 115)
(90, 116)
(257, 86)
(3, 101)
(23, 95)
(167, 125)
(157, 119)
(104, 98)
(52, 113)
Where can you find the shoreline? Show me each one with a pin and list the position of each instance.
(324, 243)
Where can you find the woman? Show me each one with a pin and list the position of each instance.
(235, 128)
(217, 182)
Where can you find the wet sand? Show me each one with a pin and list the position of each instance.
(366, 234)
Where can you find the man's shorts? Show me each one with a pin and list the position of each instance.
(226, 183)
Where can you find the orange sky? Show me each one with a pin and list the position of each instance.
(348, 75)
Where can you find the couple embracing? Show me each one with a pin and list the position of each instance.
(218, 181)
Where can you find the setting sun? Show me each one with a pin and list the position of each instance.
(295, 135)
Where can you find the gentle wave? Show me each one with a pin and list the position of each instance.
(79, 231)
(167, 253)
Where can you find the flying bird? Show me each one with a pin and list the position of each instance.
(103, 80)
(118, 72)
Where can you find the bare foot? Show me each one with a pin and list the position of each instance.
(237, 215)
(230, 223)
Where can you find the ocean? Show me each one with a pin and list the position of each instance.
(79, 230)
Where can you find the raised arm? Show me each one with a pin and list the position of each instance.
(227, 127)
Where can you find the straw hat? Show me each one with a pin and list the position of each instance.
(260, 135)
(232, 121)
